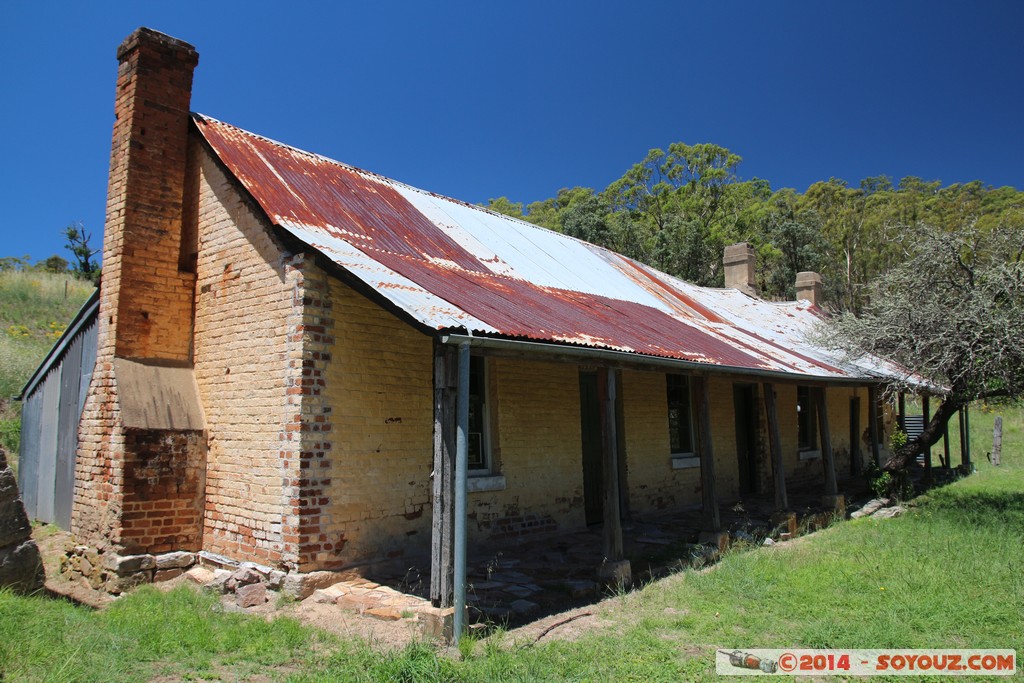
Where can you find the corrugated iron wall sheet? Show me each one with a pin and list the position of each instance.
(50, 416)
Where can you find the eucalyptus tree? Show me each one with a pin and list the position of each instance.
(951, 313)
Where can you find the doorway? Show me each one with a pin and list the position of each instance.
(744, 400)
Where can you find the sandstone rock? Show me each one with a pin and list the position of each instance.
(301, 586)
(14, 524)
(438, 622)
(125, 565)
(275, 581)
(118, 584)
(889, 513)
(243, 576)
(175, 560)
(200, 575)
(219, 582)
(356, 603)
(21, 567)
(167, 574)
(870, 508)
(263, 570)
(251, 595)
(383, 613)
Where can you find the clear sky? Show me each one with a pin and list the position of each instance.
(482, 99)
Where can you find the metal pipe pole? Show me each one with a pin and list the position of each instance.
(461, 470)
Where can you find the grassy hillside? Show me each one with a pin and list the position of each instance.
(35, 307)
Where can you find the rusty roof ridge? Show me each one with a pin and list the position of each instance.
(372, 174)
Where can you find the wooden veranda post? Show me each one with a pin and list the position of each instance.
(964, 459)
(778, 469)
(947, 460)
(903, 411)
(831, 488)
(876, 453)
(997, 441)
(442, 549)
(609, 448)
(967, 433)
(709, 495)
(926, 417)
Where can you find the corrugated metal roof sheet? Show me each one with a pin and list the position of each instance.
(452, 265)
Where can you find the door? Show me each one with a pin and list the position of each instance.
(744, 399)
(590, 430)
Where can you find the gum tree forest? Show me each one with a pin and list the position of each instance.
(679, 207)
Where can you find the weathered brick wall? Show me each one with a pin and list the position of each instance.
(537, 445)
(812, 472)
(379, 398)
(145, 302)
(653, 484)
(164, 475)
(99, 464)
(245, 356)
(142, 240)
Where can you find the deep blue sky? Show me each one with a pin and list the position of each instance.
(483, 99)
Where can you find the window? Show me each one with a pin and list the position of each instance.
(807, 420)
(680, 415)
(479, 445)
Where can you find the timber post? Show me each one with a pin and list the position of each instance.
(997, 441)
(442, 549)
(947, 461)
(967, 433)
(778, 469)
(876, 453)
(926, 418)
(831, 488)
(708, 494)
(615, 569)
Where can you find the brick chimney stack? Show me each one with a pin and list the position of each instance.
(739, 261)
(808, 287)
(146, 299)
(134, 450)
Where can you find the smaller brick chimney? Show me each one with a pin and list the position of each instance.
(808, 287)
(739, 260)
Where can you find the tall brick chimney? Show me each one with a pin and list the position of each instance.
(739, 260)
(808, 287)
(147, 298)
(140, 466)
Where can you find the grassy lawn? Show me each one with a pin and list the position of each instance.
(949, 574)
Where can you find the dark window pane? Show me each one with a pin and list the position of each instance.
(679, 415)
(807, 436)
(477, 414)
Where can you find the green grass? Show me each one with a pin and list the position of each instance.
(948, 574)
(35, 307)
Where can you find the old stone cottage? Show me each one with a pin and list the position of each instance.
(277, 363)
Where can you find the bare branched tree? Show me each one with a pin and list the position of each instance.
(952, 313)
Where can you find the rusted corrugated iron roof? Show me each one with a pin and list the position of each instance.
(453, 266)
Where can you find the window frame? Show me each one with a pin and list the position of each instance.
(683, 453)
(478, 371)
(807, 437)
